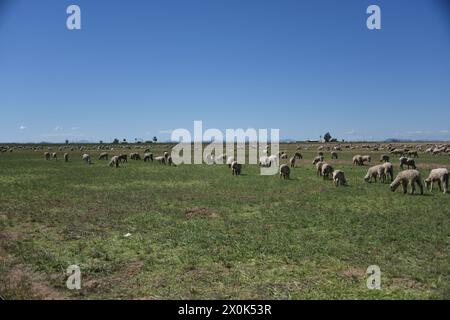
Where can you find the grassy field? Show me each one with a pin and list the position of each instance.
(197, 232)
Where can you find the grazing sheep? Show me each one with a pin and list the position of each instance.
(407, 161)
(123, 158)
(161, 159)
(411, 177)
(398, 151)
(440, 176)
(319, 168)
(54, 156)
(412, 154)
(166, 154)
(87, 158)
(374, 173)
(236, 168)
(339, 178)
(115, 160)
(169, 161)
(384, 158)
(285, 171)
(320, 154)
(292, 161)
(366, 159)
(298, 155)
(46, 155)
(389, 170)
(327, 171)
(135, 156)
(284, 156)
(103, 156)
(148, 157)
(230, 161)
(66, 157)
(318, 159)
(334, 155)
(357, 160)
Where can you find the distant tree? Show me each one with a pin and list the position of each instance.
(124, 140)
(155, 139)
(67, 141)
(115, 141)
(327, 137)
(101, 141)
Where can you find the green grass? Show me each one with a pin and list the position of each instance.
(200, 233)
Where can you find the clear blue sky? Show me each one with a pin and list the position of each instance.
(142, 68)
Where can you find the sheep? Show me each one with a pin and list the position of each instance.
(319, 168)
(411, 177)
(148, 157)
(357, 160)
(46, 155)
(334, 155)
(285, 171)
(169, 161)
(115, 160)
(298, 155)
(87, 158)
(135, 156)
(284, 156)
(123, 158)
(398, 151)
(384, 158)
(54, 156)
(231, 159)
(374, 173)
(236, 168)
(440, 176)
(365, 158)
(327, 171)
(166, 154)
(318, 159)
(339, 178)
(389, 170)
(407, 161)
(412, 154)
(66, 157)
(103, 156)
(292, 161)
(161, 159)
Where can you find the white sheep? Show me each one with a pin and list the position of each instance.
(148, 157)
(339, 178)
(334, 155)
(411, 177)
(115, 160)
(230, 161)
(318, 159)
(440, 176)
(327, 171)
(103, 156)
(374, 173)
(66, 157)
(389, 170)
(319, 168)
(87, 158)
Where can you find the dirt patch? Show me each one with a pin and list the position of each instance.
(406, 282)
(20, 278)
(352, 273)
(202, 212)
(10, 235)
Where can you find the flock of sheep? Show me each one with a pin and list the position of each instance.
(382, 172)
